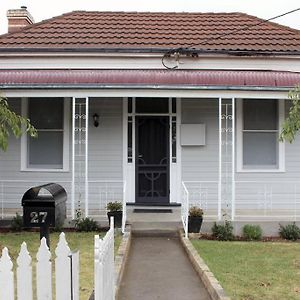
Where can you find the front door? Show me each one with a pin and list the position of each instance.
(152, 160)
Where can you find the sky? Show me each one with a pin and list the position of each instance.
(42, 9)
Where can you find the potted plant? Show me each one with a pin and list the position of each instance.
(195, 219)
(114, 209)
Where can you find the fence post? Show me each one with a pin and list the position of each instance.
(98, 269)
(62, 269)
(74, 261)
(6, 276)
(24, 274)
(104, 265)
(43, 272)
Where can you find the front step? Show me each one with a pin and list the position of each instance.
(155, 233)
(158, 229)
(154, 221)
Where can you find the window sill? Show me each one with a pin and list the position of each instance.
(261, 171)
(45, 170)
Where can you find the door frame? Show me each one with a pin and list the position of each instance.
(129, 169)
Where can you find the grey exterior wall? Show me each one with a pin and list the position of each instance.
(105, 157)
(105, 153)
(200, 163)
(266, 195)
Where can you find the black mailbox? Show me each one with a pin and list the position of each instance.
(44, 206)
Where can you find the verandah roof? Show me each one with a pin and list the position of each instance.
(147, 79)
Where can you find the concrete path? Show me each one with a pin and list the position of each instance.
(158, 268)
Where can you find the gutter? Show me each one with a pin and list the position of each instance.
(140, 87)
(161, 51)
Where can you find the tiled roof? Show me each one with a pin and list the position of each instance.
(146, 78)
(155, 32)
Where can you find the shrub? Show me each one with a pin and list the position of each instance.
(17, 223)
(86, 224)
(195, 211)
(252, 232)
(114, 206)
(223, 232)
(289, 232)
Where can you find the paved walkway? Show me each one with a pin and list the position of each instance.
(158, 268)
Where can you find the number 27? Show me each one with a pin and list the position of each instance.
(34, 216)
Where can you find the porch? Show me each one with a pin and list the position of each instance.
(204, 147)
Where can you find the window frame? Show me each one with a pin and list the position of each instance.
(280, 167)
(66, 139)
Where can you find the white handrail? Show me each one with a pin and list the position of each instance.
(185, 209)
(124, 208)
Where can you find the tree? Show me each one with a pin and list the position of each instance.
(291, 124)
(12, 122)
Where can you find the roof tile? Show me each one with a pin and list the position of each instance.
(136, 30)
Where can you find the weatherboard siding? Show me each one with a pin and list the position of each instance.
(262, 193)
(105, 156)
(259, 192)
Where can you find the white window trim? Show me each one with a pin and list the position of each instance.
(66, 141)
(239, 141)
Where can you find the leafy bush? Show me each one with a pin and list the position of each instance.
(252, 232)
(17, 223)
(114, 206)
(195, 211)
(289, 232)
(86, 224)
(223, 232)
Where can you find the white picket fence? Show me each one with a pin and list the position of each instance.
(66, 273)
(104, 266)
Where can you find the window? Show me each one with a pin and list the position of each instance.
(129, 146)
(152, 105)
(49, 150)
(259, 132)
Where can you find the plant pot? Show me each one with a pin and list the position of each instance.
(118, 215)
(194, 224)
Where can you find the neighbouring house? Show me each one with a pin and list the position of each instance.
(153, 109)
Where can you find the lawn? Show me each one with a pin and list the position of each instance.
(84, 242)
(254, 270)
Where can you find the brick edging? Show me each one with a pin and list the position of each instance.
(212, 285)
(121, 259)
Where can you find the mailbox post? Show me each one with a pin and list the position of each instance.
(44, 206)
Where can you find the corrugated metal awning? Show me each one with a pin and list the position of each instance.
(146, 79)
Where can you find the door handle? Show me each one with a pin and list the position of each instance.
(140, 155)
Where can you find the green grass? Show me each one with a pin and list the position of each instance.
(83, 241)
(254, 270)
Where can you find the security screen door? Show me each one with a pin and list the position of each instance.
(152, 160)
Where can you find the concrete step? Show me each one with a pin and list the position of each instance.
(155, 233)
(155, 229)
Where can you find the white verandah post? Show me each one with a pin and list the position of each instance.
(226, 182)
(220, 162)
(233, 161)
(73, 160)
(86, 157)
(80, 187)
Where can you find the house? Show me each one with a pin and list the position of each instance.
(154, 109)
